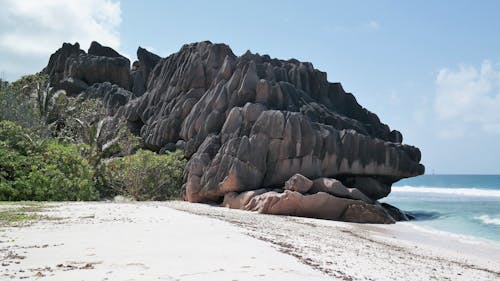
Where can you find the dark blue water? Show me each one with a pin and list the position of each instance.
(460, 204)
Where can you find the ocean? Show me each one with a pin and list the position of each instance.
(465, 205)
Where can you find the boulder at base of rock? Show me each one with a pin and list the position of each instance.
(366, 213)
(336, 188)
(319, 205)
(298, 183)
(396, 213)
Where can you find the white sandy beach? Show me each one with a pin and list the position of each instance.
(183, 241)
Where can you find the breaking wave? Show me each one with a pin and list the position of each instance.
(488, 220)
(450, 191)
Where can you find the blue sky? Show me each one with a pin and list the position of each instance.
(430, 69)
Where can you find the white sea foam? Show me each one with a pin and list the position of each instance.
(488, 220)
(450, 191)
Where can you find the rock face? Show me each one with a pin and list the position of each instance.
(73, 70)
(57, 62)
(141, 70)
(96, 69)
(97, 49)
(248, 124)
(112, 96)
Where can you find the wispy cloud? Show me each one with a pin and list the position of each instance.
(373, 25)
(31, 29)
(468, 99)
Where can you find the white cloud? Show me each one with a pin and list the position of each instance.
(468, 99)
(374, 25)
(451, 132)
(30, 30)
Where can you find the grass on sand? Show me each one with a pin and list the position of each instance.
(20, 213)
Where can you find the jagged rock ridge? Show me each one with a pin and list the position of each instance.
(73, 70)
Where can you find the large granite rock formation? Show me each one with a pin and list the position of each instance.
(250, 123)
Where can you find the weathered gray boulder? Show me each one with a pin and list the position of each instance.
(97, 69)
(112, 96)
(336, 188)
(69, 66)
(298, 183)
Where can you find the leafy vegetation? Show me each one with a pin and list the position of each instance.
(52, 148)
(17, 106)
(45, 171)
(146, 175)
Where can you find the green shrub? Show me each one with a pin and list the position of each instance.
(42, 170)
(146, 175)
(124, 142)
(72, 119)
(17, 137)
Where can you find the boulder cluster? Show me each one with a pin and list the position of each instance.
(260, 133)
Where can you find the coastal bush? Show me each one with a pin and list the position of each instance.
(124, 143)
(146, 175)
(19, 108)
(76, 119)
(42, 169)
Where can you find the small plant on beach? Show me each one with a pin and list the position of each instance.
(20, 213)
(146, 175)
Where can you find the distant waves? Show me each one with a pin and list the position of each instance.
(451, 191)
(486, 219)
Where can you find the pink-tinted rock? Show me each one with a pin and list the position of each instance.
(336, 188)
(319, 205)
(234, 200)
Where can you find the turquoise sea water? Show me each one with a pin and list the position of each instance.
(461, 204)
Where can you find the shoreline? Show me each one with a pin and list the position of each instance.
(184, 241)
(408, 242)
